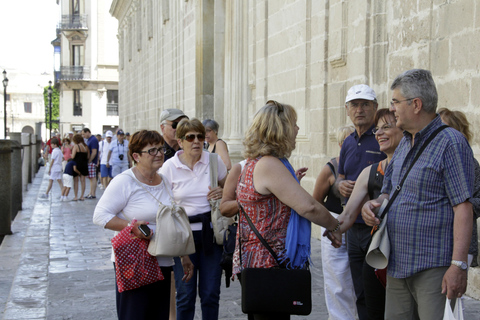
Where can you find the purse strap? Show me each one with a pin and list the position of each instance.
(213, 163)
(262, 240)
(170, 195)
(400, 185)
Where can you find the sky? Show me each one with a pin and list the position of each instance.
(28, 28)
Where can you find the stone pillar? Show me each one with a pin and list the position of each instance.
(18, 157)
(25, 163)
(33, 156)
(38, 151)
(5, 187)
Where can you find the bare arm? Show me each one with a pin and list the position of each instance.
(74, 151)
(454, 282)
(271, 176)
(108, 158)
(228, 205)
(221, 149)
(357, 199)
(118, 224)
(323, 183)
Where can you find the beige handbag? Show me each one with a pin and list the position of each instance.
(379, 249)
(220, 223)
(173, 235)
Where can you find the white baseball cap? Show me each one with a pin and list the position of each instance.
(109, 134)
(361, 91)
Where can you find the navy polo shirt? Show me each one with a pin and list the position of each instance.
(69, 168)
(356, 154)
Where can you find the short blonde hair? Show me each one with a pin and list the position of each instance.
(343, 133)
(185, 125)
(272, 132)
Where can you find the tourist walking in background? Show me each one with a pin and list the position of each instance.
(55, 168)
(92, 144)
(104, 148)
(70, 173)
(118, 156)
(80, 154)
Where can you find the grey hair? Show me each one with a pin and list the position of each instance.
(212, 124)
(418, 83)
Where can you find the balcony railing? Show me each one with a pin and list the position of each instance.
(73, 22)
(112, 109)
(74, 73)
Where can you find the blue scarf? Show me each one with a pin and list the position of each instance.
(299, 231)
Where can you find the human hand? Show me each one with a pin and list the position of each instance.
(368, 215)
(138, 233)
(334, 237)
(300, 173)
(215, 193)
(345, 187)
(454, 282)
(188, 268)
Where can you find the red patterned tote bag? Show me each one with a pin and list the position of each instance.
(135, 267)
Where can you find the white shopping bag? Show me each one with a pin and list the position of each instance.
(456, 314)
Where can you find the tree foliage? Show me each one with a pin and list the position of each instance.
(55, 108)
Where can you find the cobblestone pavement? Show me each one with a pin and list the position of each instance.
(56, 265)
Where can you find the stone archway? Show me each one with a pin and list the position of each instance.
(28, 129)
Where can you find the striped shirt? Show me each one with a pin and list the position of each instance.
(420, 221)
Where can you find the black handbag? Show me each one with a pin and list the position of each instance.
(275, 290)
(228, 249)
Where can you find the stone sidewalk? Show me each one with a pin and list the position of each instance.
(56, 265)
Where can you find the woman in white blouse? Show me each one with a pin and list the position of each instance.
(131, 196)
(188, 173)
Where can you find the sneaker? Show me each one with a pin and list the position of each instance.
(90, 197)
(44, 196)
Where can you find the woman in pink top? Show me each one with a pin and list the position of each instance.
(66, 149)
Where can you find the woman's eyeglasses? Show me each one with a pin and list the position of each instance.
(191, 137)
(154, 151)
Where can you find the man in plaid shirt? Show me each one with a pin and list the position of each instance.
(430, 222)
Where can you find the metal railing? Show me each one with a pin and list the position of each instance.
(73, 22)
(72, 73)
(112, 109)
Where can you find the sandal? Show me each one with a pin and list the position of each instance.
(81, 199)
(74, 199)
(90, 197)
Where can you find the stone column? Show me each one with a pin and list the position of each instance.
(26, 158)
(33, 156)
(5, 187)
(17, 195)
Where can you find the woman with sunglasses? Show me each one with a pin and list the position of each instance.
(134, 194)
(188, 173)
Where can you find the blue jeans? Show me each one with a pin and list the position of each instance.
(208, 274)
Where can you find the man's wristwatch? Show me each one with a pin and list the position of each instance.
(461, 264)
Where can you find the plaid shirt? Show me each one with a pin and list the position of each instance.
(420, 221)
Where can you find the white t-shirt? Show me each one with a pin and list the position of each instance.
(118, 149)
(104, 147)
(189, 187)
(57, 157)
(126, 199)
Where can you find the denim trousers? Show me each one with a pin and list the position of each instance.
(368, 289)
(207, 277)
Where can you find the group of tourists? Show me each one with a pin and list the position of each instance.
(429, 224)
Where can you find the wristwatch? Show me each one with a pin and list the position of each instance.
(461, 264)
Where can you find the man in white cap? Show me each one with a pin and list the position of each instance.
(359, 150)
(169, 118)
(104, 147)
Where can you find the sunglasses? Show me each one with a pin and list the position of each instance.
(191, 137)
(154, 151)
(174, 125)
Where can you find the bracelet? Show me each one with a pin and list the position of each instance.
(337, 227)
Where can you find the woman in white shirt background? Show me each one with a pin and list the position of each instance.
(131, 196)
(188, 173)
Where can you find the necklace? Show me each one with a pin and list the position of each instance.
(150, 181)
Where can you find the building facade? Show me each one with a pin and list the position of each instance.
(25, 103)
(86, 63)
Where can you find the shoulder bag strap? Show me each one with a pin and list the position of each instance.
(262, 240)
(399, 187)
(332, 168)
(164, 185)
(213, 162)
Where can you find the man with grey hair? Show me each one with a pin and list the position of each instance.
(169, 119)
(430, 222)
(359, 150)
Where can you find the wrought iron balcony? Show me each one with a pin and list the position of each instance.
(73, 22)
(112, 109)
(74, 73)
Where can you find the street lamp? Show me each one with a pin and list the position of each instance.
(50, 105)
(5, 84)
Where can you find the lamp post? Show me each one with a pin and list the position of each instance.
(5, 84)
(50, 105)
